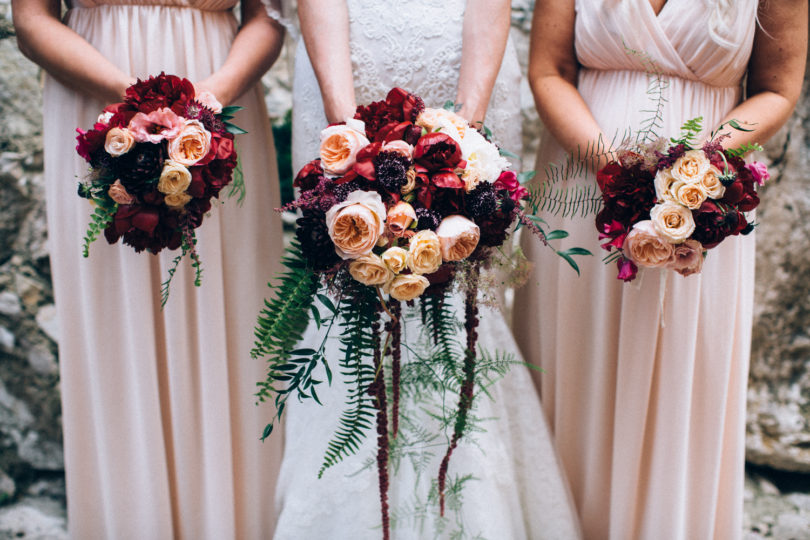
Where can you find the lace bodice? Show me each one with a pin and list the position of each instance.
(679, 39)
(205, 5)
(415, 45)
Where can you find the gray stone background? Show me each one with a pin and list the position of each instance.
(31, 465)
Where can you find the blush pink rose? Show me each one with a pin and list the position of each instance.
(645, 247)
(155, 126)
(687, 258)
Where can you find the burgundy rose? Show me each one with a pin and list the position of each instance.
(309, 176)
(380, 117)
(711, 225)
(436, 151)
(364, 164)
(160, 91)
(446, 178)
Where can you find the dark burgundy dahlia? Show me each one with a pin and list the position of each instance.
(316, 245)
(140, 168)
(391, 169)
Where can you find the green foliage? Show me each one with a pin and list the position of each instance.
(280, 326)
(188, 247)
(744, 149)
(358, 312)
(237, 188)
(100, 219)
(689, 132)
(227, 115)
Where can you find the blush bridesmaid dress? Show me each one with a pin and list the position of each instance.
(644, 383)
(161, 432)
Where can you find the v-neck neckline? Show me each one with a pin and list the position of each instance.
(652, 9)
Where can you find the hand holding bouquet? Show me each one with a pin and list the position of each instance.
(156, 161)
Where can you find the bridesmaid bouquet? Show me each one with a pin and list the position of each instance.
(156, 161)
(666, 203)
(404, 203)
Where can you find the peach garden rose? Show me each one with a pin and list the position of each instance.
(646, 247)
(339, 146)
(191, 145)
(356, 224)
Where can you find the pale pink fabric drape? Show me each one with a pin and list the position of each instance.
(644, 382)
(161, 431)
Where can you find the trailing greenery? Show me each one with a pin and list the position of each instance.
(238, 188)
(358, 313)
(100, 219)
(280, 326)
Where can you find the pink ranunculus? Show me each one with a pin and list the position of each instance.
(627, 269)
(156, 126)
(508, 181)
(759, 171)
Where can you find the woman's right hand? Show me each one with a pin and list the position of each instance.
(63, 53)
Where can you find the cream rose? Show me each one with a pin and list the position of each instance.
(645, 247)
(691, 167)
(689, 195)
(118, 142)
(443, 120)
(174, 178)
(711, 183)
(400, 217)
(672, 221)
(663, 186)
(396, 259)
(119, 193)
(177, 200)
(339, 147)
(458, 237)
(425, 252)
(191, 145)
(407, 287)
(370, 270)
(687, 258)
(410, 181)
(356, 224)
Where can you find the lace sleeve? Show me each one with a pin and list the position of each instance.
(275, 10)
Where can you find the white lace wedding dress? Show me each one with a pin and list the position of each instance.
(517, 490)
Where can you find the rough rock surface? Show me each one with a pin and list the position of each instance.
(779, 392)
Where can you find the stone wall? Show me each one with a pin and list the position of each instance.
(30, 449)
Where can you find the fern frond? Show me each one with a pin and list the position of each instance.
(238, 188)
(100, 219)
(358, 311)
(280, 326)
(744, 149)
(567, 201)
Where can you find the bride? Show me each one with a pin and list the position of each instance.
(354, 52)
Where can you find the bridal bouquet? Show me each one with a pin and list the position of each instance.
(665, 203)
(405, 203)
(156, 161)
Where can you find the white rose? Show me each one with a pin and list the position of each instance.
(482, 156)
(663, 186)
(672, 221)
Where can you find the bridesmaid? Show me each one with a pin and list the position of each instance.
(644, 383)
(160, 427)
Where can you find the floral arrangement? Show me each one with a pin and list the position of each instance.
(405, 203)
(665, 203)
(156, 161)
